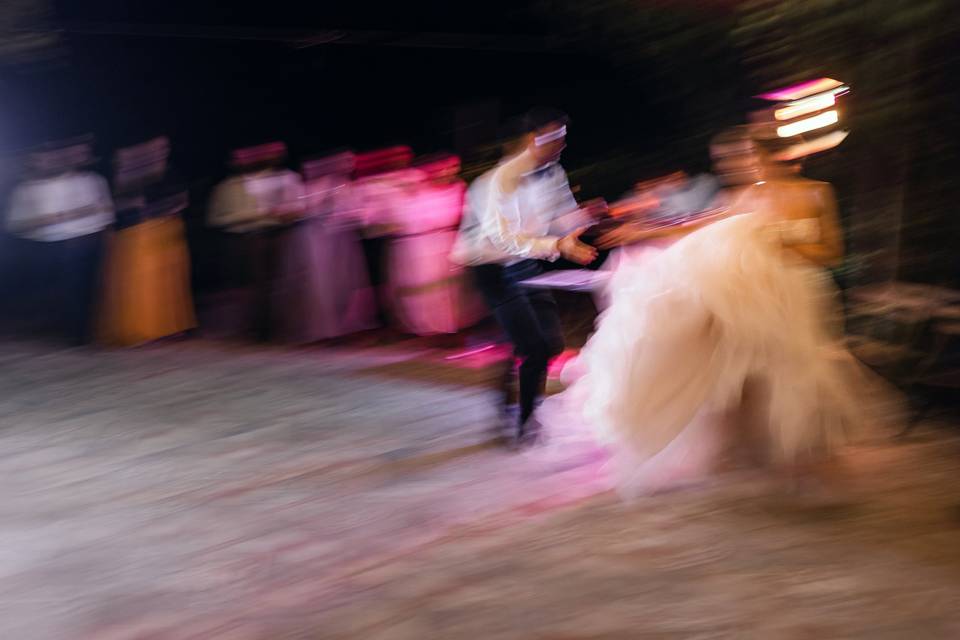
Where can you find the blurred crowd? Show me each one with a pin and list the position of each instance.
(350, 242)
(344, 244)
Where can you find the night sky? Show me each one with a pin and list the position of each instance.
(236, 81)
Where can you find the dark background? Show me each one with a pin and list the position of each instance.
(647, 82)
(216, 88)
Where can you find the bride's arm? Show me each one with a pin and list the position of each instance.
(638, 232)
(828, 252)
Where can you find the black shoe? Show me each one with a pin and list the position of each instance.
(503, 428)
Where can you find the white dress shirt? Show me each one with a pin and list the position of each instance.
(247, 202)
(527, 223)
(470, 247)
(67, 206)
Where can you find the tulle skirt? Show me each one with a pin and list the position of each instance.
(716, 324)
(633, 257)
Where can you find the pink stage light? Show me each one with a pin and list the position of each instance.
(802, 90)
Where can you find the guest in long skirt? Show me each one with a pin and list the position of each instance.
(379, 195)
(57, 216)
(323, 274)
(428, 291)
(146, 288)
(257, 210)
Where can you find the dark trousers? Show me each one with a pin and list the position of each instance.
(55, 286)
(530, 319)
(252, 264)
(266, 249)
(374, 252)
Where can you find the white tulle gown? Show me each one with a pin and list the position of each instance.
(661, 382)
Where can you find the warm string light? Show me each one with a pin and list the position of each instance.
(803, 90)
(810, 147)
(812, 104)
(809, 124)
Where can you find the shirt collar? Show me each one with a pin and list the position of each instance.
(540, 171)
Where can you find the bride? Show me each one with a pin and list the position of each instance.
(724, 342)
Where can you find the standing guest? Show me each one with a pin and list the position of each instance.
(256, 209)
(380, 191)
(57, 217)
(530, 215)
(146, 294)
(427, 291)
(323, 272)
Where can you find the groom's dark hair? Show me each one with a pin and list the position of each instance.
(539, 117)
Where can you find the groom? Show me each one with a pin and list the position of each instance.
(528, 215)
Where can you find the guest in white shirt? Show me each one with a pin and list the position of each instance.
(257, 209)
(529, 216)
(57, 216)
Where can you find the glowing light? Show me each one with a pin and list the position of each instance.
(809, 124)
(810, 147)
(805, 106)
(802, 90)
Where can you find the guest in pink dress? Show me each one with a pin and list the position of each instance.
(377, 195)
(323, 271)
(428, 292)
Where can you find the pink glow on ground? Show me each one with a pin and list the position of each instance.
(481, 356)
(558, 363)
(486, 355)
(472, 352)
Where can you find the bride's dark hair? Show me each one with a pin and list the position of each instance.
(768, 147)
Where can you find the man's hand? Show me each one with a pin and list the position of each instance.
(573, 250)
(624, 234)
